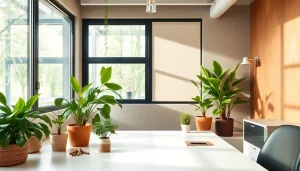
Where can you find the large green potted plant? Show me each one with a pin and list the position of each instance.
(86, 104)
(222, 87)
(203, 123)
(16, 128)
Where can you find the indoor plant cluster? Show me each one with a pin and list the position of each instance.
(219, 90)
(86, 106)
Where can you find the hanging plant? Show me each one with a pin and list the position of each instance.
(105, 27)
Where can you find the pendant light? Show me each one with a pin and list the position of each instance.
(151, 6)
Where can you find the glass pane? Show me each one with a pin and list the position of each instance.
(54, 55)
(122, 41)
(130, 76)
(13, 49)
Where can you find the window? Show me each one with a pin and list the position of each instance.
(54, 54)
(126, 54)
(152, 59)
(35, 50)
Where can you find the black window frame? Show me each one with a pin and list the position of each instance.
(32, 60)
(86, 60)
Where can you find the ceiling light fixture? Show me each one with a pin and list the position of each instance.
(151, 6)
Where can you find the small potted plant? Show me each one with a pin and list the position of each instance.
(104, 129)
(16, 127)
(86, 104)
(223, 90)
(185, 120)
(58, 139)
(203, 123)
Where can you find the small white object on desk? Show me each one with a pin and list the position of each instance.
(145, 151)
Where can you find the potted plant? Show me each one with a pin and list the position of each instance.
(185, 120)
(223, 90)
(16, 127)
(86, 104)
(104, 129)
(58, 139)
(203, 123)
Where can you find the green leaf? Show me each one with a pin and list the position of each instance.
(20, 141)
(217, 68)
(75, 84)
(86, 88)
(19, 105)
(215, 83)
(5, 110)
(31, 102)
(2, 99)
(58, 102)
(96, 119)
(38, 134)
(233, 73)
(45, 129)
(223, 74)
(102, 69)
(105, 111)
(195, 84)
(204, 72)
(217, 111)
(203, 80)
(106, 75)
(226, 101)
(113, 86)
(4, 139)
(238, 81)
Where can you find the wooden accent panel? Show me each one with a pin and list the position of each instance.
(275, 38)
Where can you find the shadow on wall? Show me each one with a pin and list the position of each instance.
(275, 86)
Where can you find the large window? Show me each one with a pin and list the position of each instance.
(126, 53)
(35, 50)
(154, 60)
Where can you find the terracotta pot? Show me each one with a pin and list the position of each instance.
(13, 155)
(185, 128)
(104, 145)
(79, 136)
(34, 145)
(59, 142)
(224, 127)
(203, 123)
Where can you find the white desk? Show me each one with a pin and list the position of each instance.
(145, 151)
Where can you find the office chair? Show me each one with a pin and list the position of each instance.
(281, 151)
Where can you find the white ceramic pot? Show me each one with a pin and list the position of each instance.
(104, 145)
(185, 128)
(59, 142)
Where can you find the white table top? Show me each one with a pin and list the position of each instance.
(145, 151)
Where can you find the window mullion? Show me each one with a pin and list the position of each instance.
(33, 49)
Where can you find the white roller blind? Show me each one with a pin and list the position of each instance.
(176, 60)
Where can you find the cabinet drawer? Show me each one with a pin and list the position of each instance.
(251, 151)
(254, 134)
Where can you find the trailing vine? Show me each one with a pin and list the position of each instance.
(105, 27)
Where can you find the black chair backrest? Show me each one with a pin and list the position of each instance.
(281, 151)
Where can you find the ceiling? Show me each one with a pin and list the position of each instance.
(159, 2)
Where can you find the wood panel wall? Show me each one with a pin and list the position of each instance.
(275, 38)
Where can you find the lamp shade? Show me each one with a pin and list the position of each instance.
(246, 61)
(151, 6)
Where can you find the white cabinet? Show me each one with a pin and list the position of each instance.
(256, 131)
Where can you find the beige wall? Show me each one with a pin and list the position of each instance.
(225, 39)
(74, 7)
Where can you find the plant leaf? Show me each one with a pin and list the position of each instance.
(105, 111)
(31, 102)
(113, 86)
(58, 102)
(238, 81)
(85, 88)
(215, 83)
(38, 134)
(75, 84)
(19, 105)
(106, 75)
(2, 99)
(96, 119)
(20, 141)
(217, 68)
